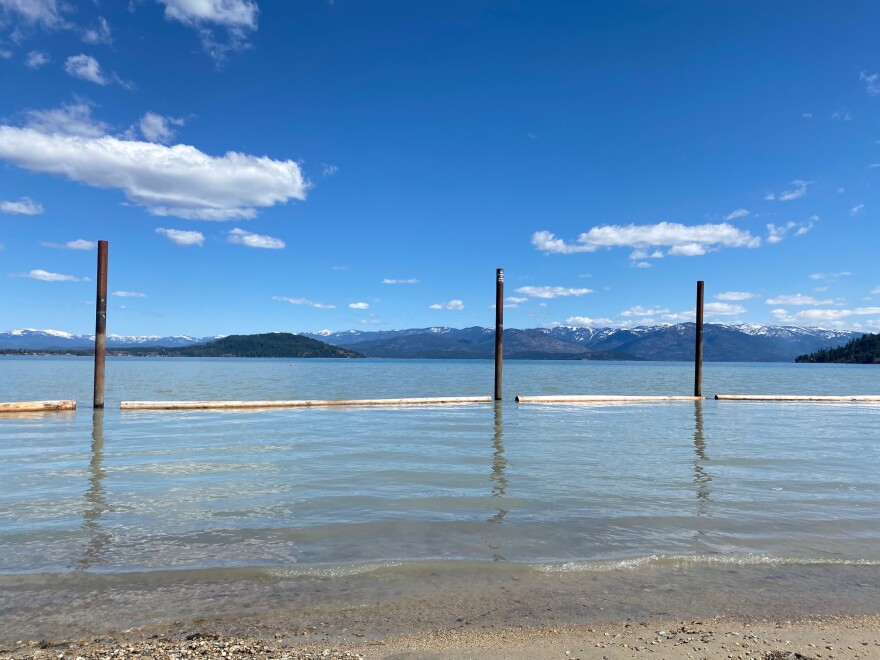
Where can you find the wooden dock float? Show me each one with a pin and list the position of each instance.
(36, 406)
(602, 398)
(807, 398)
(305, 403)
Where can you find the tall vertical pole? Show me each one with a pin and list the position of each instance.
(101, 326)
(698, 349)
(499, 329)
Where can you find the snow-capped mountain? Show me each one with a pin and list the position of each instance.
(29, 338)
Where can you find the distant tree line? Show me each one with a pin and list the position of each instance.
(863, 350)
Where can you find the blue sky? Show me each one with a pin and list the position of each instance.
(305, 165)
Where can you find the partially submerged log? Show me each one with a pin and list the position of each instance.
(36, 406)
(600, 398)
(304, 403)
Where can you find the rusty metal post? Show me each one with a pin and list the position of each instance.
(101, 326)
(499, 329)
(698, 349)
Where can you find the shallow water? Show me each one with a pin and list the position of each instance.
(556, 488)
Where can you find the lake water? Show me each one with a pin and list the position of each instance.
(555, 488)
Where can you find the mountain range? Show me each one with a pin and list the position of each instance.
(722, 343)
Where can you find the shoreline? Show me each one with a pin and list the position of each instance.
(440, 609)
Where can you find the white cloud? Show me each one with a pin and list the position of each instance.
(128, 294)
(411, 280)
(35, 59)
(513, 300)
(328, 170)
(241, 237)
(303, 301)
(799, 190)
(551, 291)
(156, 128)
(836, 318)
(237, 17)
(797, 299)
(454, 305)
(856, 210)
(69, 119)
(24, 206)
(872, 82)
(641, 264)
(739, 213)
(78, 244)
(681, 239)
(85, 67)
(735, 295)
(4, 53)
(829, 276)
(776, 233)
(638, 310)
(807, 115)
(841, 115)
(179, 180)
(100, 34)
(359, 305)
(46, 276)
(722, 309)
(875, 291)
(45, 13)
(587, 322)
(180, 237)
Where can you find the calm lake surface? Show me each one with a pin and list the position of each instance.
(557, 487)
(113, 520)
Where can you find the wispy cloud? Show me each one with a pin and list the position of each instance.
(587, 322)
(548, 292)
(100, 34)
(682, 240)
(128, 294)
(841, 115)
(713, 309)
(237, 17)
(303, 301)
(875, 291)
(359, 305)
(739, 213)
(78, 244)
(174, 180)
(798, 191)
(35, 59)
(241, 237)
(86, 67)
(797, 299)
(411, 280)
(638, 310)
(454, 305)
(872, 82)
(41, 13)
(69, 119)
(328, 170)
(777, 233)
(181, 237)
(829, 276)
(735, 295)
(856, 210)
(833, 318)
(157, 128)
(46, 276)
(24, 206)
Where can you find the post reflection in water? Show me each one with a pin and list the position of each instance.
(702, 478)
(499, 479)
(96, 498)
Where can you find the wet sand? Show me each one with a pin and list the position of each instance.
(452, 610)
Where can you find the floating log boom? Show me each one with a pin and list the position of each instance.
(808, 398)
(36, 406)
(601, 398)
(304, 403)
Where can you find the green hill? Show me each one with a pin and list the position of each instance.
(863, 350)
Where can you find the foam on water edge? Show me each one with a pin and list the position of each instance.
(607, 565)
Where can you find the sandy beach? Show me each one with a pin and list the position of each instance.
(450, 611)
(839, 637)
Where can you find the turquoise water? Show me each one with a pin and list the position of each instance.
(559, 487)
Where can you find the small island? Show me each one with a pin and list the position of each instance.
(862, 350)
